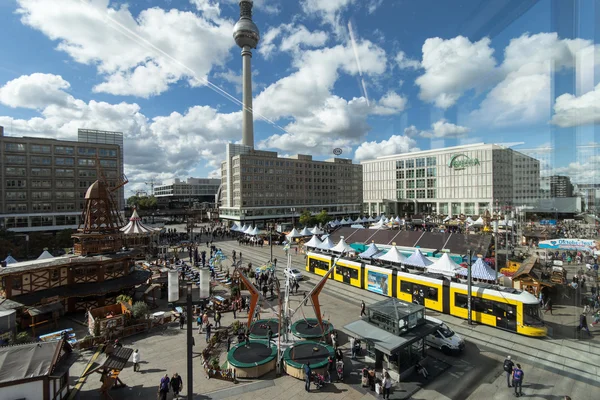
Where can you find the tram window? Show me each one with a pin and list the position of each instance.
(406, 287)
(482, 305)
(532, 315)
(318, 264)
(353, 273)
(461, 300)
(432, 294)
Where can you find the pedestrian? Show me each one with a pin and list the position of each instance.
(387, 385)
(228, 343)
(217, 319)
(362, 308)
(333, 342)
(234, 309)
(330, 364)
(181, 321)
(208, 328)
(508, 367)
(583, 324)
(269, 335)
(548, 306)
(518, 376)
(307, 374)
(305, 299)
(275, 262)
(176, 385)
(136, 360)
(163, 387)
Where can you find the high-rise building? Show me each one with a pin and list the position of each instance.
(44, 180)
(181, 194)
(561, 186)
(456, 180)
(259, 186)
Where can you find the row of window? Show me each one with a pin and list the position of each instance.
(58, 172)
(68, 150)
(416, 194)
(419, 173)
(418, 162)
(37, 160)
(38, 207)
(486, 306)
(40, 195)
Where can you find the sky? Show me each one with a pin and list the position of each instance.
(370, 77)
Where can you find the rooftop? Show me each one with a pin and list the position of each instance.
(27, 361)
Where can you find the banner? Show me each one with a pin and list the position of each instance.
(377, 282)
(548, 222)
(570, 244)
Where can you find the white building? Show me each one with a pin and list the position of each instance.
(184, 193)
(464, 179)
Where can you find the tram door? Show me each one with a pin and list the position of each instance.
(506, 316)
(446, 297)
(311, 266)
(346, 272)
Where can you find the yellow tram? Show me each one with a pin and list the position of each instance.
(504, 308)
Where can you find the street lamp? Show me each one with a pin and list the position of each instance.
(293, 210)
(271, 241)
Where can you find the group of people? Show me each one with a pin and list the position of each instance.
(175, 383)
(514, 375)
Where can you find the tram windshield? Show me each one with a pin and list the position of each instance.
(532, 315)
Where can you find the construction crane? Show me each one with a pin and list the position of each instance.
(152, 182)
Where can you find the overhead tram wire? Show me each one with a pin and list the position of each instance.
(140, 40)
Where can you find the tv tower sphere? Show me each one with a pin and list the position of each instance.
(245, 31)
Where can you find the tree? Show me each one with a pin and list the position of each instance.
(306, 218)
(143, 202)
(140, 309)
(323, 218)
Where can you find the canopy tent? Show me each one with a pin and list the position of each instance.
(364, 220)
(371, 219)
(294, 234)
(479, 222)
(10, 260)
(135, 226)
(385, 220)
(398, 220)
(370, 252)
(445, 266)
(316, 230)
(313, 242)
(417, 259)
(346, 221)
(326, 245)
(254, 232)
(334, 224)
(379, 225)
(469, 220)
(448, 218)
(306, 232)
(248, 230)
(45, 255)
(236, 227)
(342, 247)
(358, 220)
(243, 228)
(480, 270)
(393, 256)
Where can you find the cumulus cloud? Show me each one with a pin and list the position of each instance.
(35, 91)
(439, 129)
(391, 103)
(396, 144)
(138, 56)
(293, 37)
(328, 11)
(405, 62)
(571, 111)
(453, 67)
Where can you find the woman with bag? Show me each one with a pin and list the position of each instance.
(387, 385)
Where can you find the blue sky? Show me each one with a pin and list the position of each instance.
(372, 77)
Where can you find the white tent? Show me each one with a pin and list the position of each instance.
(316, 231)
(135, 226)
(379, 225)
(248, 230)
(313, 242)
(448, 218)
(398, 220)
(370, 252)
(294, 234)
(236, 227)
(326, 245)
(342, 247)
(254, 232)
(371, 219)
(417, 259)
(385, 220)
(45, 255)
(364, 220)
(479, 222)
(480, 270)
(306, 232)
(445, 266)
(393, 256)
(10, 260)
(243, 228)
(470, 220)
(358, 220)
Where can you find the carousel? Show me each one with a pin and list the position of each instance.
(138, 235)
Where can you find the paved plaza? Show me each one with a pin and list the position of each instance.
(554, 367)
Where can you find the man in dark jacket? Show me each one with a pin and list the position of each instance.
(307, 376)
(508, 367)
(176, 384)
(163, 387)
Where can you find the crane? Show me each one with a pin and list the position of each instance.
(152, 182)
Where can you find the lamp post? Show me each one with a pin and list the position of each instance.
(293, 210)
(190, 343)
(271, 241)
(469, 302)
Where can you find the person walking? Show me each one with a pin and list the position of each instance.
(136, 360)
(307, 374)
(228, 343)
(208, 329)
(362, 308)
(163, 387)
(181, 321)
(518, 376)
(269, 335)
(333, 342)
(176, 385)
(387, 385)
(508, 367)
(234, 309)
(583, 324)
(217, 319)
(548, 306)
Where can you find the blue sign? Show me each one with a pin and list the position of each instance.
(570, 244)
(548, 222)
(377, 282)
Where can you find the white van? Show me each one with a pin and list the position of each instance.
(444, 339)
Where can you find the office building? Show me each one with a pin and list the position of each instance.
(258, 186)
(556, 186)
(466, 179)
(44, 180)
(193, 192)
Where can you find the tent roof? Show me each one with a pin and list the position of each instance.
(313, 242)
(480, 270)
(371, 251)
(417, 259)
(294, 234)
(326, 245)
(254, 231)
(393, 255)
(316, 230)
(479, 221)
(27, 361)
(135, 226)
(45, 255)
(342, 247)
(306, 232)
(445, 266)
(10, 260)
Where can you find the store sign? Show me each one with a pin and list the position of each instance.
(570, 244)
(462, 161)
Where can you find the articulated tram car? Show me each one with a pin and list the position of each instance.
(503, 308)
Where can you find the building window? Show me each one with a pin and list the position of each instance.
(400, 164)
(40, 160)
(410, 164)
(399, 174)
(16, 159)
(15, 171)
(111, 163)
(107, 153)
(431, 182)
(15, 147)
(86, 162)
(64, 161)
(410, 194)
(41, 195)
(16, 207)
(41, 172)
(86, 151)
(431, 161)
(87, 173)
(470, 208)
(65, 195)
(16, 195)
(65, 184)
(420, 183)
(16, 183)
(399, 194)
(40, 148)
(399, 184)
(420, 162)
(59, 172)
(68, 150)
(430, 172)
(41, 184)
(420, 194)
(410, 174)
(431, 194)
(421, 173)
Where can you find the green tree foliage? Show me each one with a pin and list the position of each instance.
(143, 202)
(322, 218)
(306, 218)
(140, 309)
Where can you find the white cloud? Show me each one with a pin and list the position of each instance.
(396, 144)
(328, 11)
(373, 5)
(524, 95)
(571, 111)
(439, 129)
(260, 6)
(138, 56)
(208, 8)
(453, 67)
(267, 46)
(293, 37)
(405, 62)
(391, 103)
(35, 91)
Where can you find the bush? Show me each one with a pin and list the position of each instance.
(23, 337)
(214, 363)
(140, 309)
(236, 326)
(123, 298)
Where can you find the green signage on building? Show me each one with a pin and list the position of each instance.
(462, 161)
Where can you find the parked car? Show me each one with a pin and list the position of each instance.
(444, 338)
(294, 273)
